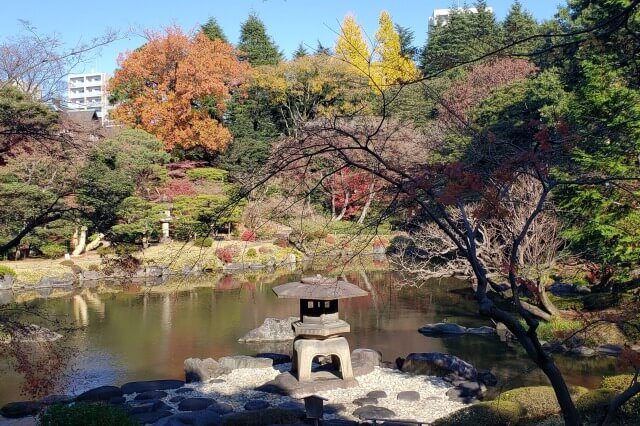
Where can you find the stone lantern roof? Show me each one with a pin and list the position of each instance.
(318, 288)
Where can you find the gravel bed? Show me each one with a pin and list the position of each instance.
(238, 387)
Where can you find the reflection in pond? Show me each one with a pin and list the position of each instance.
(131, 333)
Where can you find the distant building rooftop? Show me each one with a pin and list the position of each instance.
(441, 16)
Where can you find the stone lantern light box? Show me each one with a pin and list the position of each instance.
(319, 330)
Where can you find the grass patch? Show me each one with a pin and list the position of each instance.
(85, 414)
(499, 413)
(539, 401)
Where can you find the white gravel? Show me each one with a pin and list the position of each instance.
(238, 387)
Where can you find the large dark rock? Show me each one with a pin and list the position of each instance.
(201, 370)
(102, 393)
(143, 396)
(151, 385)
(194, 418)
(377, 394)
(276, 358)
(582, 351)
(242, 361)
(271, 330)
(14, 410)
(256, 404)
(195, 404)
(488, 378)
(465, 391)
(610, 350)
(442, 328)
(438, 364)
(371, 412)
(220, 408)
(35, 333)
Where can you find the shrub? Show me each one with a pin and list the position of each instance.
(105, 251)
(203, 242)
(330, 239)
(225, 254)
(281, 242)
(267, 417)
(251, 252)
(265, 249)
(5, 270)
(248, 235)
(499, 413)
(207, 173)
(600, 301)
(85, 414)
(53, 250)
(380, 242)
(68, 263)
(619, 384)
(592, 404)
(539, 401)
(557, 328)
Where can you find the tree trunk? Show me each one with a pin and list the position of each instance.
(365, 209)
(344, 208)
(547, 304)
(95, 243)
(82, 242)
(617, 402)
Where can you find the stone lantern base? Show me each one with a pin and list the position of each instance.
(304, 350)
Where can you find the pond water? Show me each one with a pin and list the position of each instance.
(136, 333)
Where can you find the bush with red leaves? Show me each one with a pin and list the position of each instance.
(248, 235)
(225, 254)
(330, 239)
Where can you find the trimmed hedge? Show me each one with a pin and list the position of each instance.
(203, 242)
(619, 384)
(539, 401)
(85, 414)
(498, 413)
(592, 404)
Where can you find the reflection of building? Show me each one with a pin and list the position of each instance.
(88, 92)
(441, 16)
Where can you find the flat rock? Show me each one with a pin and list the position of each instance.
(372, 412)
(177, 399)
(438, 364)
(286, 384)
(465, 391)
(377, 394)
(610, 350)
(408, 396)
(14, 410)
(481, 331)
(150, 385)
(102, 393)
(256, 404)
(582, 351)
(201, 370)
(35, 333)
(243, 361)
(184, 390)
(157, 394)
(276, 358)
(554, 348)
(360, 402)
(195, 404)
(136, 407)
(271, 330)
(442, 328)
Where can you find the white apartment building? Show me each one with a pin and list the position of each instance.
(88, 92)
(441, 16)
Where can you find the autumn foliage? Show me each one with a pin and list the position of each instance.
(177, 86)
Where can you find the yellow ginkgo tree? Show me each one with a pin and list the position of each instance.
(383, 63)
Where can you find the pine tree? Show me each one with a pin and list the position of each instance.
(300, 52)
(321, 49)
(407, 49)
(518, 25)
(213, 30)
(256, 45)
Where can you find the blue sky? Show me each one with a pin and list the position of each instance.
(289, 22)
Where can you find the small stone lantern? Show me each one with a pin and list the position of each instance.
(319, 330)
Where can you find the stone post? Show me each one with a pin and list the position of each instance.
(165, 227)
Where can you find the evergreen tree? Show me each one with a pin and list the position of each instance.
(300, 52)
(520, 24)
(255, 44)
(321, 49)
(406, 35)
(213, 30)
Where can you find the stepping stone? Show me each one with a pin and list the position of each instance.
(184, 390)
(410, 396)
(377, 394)
(151, 385)
(372, 412)
(147, 406)
(195, 404)
(220, 408)
(143, 396)
(256, 404)
(365, 401)
(102, 393)
(177, 399)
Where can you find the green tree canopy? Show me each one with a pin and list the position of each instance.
(213, 30)
(255, 44)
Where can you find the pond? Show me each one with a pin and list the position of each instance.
(132, 333)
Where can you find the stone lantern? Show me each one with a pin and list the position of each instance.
(319, 330)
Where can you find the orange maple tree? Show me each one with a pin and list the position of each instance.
(177, 86)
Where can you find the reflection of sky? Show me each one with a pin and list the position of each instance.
(136, 336)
